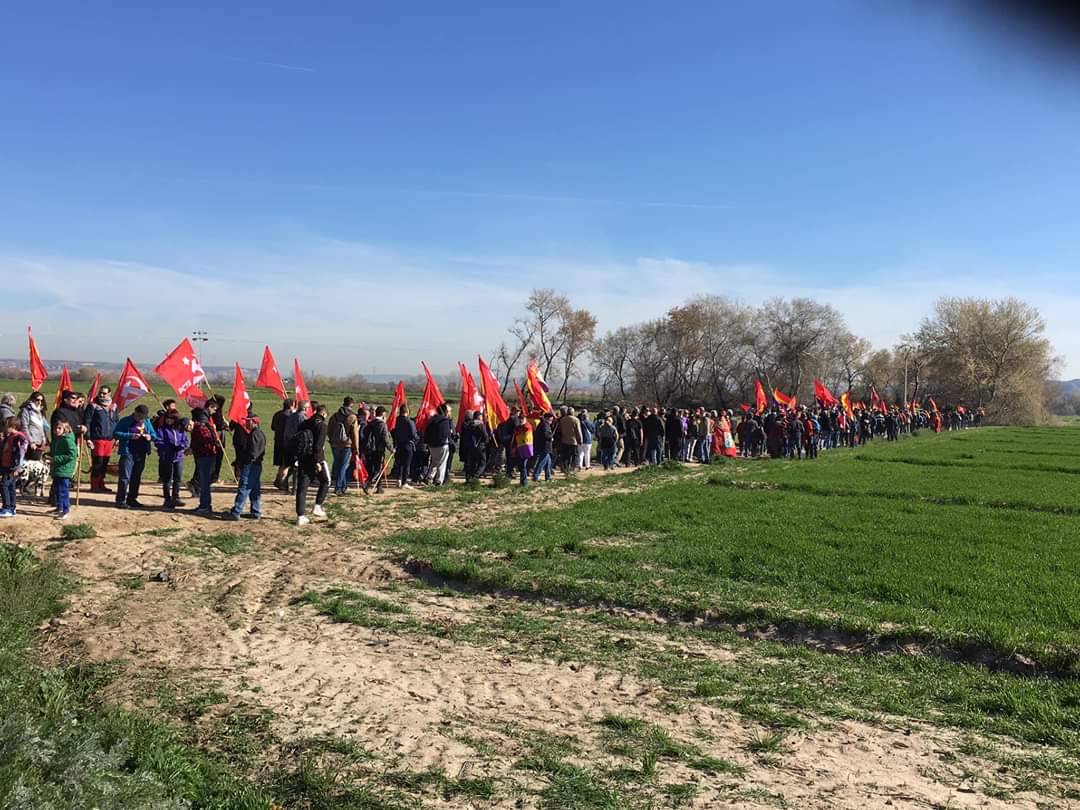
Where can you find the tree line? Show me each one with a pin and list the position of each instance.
(977, 352)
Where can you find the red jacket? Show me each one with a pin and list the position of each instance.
(204, 440)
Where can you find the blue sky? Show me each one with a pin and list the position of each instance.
(368, 185)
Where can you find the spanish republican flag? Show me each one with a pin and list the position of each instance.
(496, 411)
(784, 399)
(538, 389)
(760, 400)
(845, 400)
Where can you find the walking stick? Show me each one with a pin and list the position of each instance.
(221, 442)
(78, 468)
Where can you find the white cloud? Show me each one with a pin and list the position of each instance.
(344, 306)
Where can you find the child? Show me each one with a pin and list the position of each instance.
(171, 442)
(64, 459)
(13, 445)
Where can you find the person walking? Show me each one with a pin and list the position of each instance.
(34, 423)
(654, 436)
(377, 440)
(405, 438)
(569, 438)
(521, 446)
(172, 441)
(608, 437)
(249, 445)
(283, 426)
(343, 432)
(543, 443)
(474, 442)
(309, 450)
(135, 436)
(588, 430)
(437, 437)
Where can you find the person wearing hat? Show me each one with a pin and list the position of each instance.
(249, 444)
(135, 435)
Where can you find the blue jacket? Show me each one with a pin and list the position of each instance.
(100, 422)
(125, 430)
(588, 428)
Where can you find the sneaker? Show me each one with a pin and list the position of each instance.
(406, 486)
(121, 505)
(303, 520)
(6, 513)
(229, 516)
(62, 516)
(253, 517)
(179, 503)
(135, 505)
(318, 511)
(201, 511)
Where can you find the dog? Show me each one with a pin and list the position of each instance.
(33, 476)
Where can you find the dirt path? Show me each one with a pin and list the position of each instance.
(417, 700)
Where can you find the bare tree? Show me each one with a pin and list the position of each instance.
(579, 331)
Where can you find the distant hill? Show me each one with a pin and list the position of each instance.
(1068, 386)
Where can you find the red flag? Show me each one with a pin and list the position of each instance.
(65, 385)
(360, 472)
(933, 405)
(38, 374)
(538, 389)
(94, 387)
(745, 408)
(760, 399)
(395, 406)
(269, 376)
(470, 396)
(302, 394)
(521, 399)
(823, 394)
(131, 386)
(429, 402)
(496, 410)
(181, 370)
(238, 408)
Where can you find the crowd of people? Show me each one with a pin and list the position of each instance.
(369, 447)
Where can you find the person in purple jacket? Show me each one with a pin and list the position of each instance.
(171, 442)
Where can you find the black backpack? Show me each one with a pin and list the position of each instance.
(303, 445)
(374, 438)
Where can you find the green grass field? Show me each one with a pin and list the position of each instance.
(934, 579)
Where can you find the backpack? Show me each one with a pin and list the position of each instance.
(374, 439)
(339, 432)
(303, 445)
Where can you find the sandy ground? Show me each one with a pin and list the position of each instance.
(234, 621)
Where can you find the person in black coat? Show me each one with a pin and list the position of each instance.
(311, 464)
(405, 440)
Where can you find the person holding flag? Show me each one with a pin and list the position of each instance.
(249, 445)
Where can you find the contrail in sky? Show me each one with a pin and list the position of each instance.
(281, 65)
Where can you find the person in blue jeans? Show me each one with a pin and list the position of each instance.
(343, 432)
(13, 447)
(249, 442)
(135, 435)
(205, 446)
(543, 438)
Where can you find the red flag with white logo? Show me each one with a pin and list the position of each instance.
(269, 376)
(132, 386)
(430, 401)
(238, 408)
(470, 396)
(302, 394)
(181, 370)
(399, 400)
